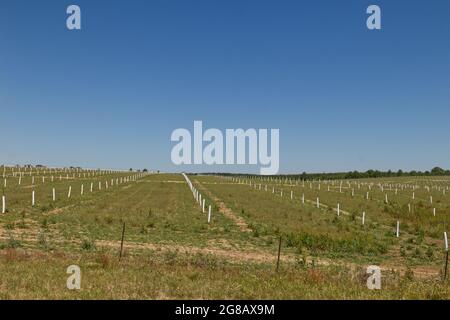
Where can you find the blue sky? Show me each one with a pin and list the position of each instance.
(110, 95)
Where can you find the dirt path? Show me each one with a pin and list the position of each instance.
(263, 257)
(59, 210)
(234, 255)
(230, 214)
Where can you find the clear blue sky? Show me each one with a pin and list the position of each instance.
(344, 98)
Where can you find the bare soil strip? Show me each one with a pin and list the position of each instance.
(239, 221)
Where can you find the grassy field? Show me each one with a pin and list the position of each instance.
(170, 251)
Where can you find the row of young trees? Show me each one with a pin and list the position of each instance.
(436, 171)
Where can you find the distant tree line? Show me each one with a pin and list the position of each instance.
(436, 171)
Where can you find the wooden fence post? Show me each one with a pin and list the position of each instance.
(279, 253)
(121, 242)
(446, 255)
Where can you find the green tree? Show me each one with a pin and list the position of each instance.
(436, 171)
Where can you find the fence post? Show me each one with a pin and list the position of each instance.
(121, 242)
(446, 255)
(3, 204)
(279, 253)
